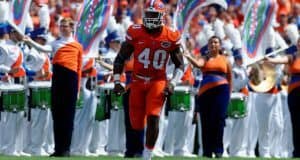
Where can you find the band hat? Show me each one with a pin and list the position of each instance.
(39, 33)
(3, 29)
(112, 37)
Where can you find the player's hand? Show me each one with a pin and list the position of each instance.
(119, 89)
(169, 90)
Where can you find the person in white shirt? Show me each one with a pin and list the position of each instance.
(40, 64)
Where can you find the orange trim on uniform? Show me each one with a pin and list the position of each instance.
(46, 68)
(188, 76)
(211, 70)
(245, 91)
(273, 90)
(211, 85)
(89, 66)
(293, 86)
(18, 65)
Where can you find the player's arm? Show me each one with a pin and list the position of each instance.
(123, 55)
(177, 59)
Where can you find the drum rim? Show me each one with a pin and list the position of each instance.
(103, 86)
(35, 84)
(182, 89)
(18, 87)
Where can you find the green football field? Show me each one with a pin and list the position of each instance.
(118, 158)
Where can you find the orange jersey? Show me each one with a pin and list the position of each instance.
(151, 51)
(294, 70)
(88, 69)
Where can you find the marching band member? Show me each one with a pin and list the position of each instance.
(13, 127)
(84, 120)
(114, 146)
(180, 121)
(286, 142)
(3, 37)
(266, 100)
(100, 128)
(67, 62)
(237, 138)
(40, 119)
(116, 138)
(214, 96)
(293, 62)
(287, 137)
(238, 141)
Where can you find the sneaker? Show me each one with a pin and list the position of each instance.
(40, 152)
(116, 154)
(89, 154)
(24, 154)
(158, 153)
(15, 153)
(100, 152)
(147, 154)
(185, 154)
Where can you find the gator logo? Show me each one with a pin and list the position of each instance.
(165, 44)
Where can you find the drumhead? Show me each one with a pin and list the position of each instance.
(182, 89)
(40, 84)
(11, 87)
(106, 86)
(237, 95)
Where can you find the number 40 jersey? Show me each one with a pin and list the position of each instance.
(151, 50)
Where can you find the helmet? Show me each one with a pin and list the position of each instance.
(153, 14)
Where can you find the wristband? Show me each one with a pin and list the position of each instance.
(117, 77)
(177, 76)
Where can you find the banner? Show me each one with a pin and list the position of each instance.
(92, 22)
(186, 9)
(20, 9)
(258, 21)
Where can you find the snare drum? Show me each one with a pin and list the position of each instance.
(40, 94)
(13, 97)
(79, 101)
(107, 99)
(115, 101)
(237, 106)
(180, 100)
